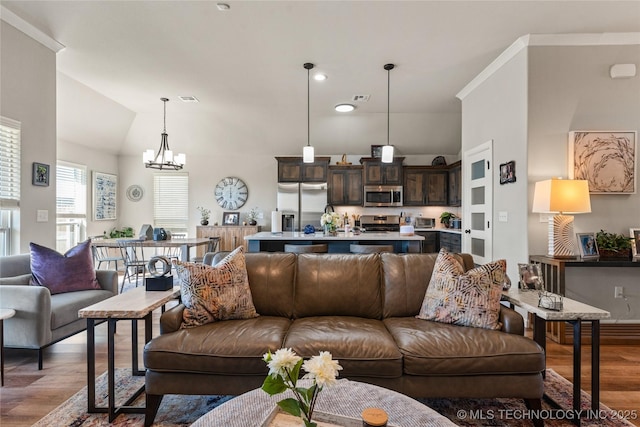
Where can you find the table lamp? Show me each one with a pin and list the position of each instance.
(561, 196)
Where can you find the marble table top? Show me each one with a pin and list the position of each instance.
(571, 309)
(341, 235)
(133, 304)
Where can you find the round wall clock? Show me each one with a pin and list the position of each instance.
(231, 193)
(134, 193)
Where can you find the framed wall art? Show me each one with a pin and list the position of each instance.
(231, 218)
(105, 195)
(376, 151)
(607, 159)
(40, 175)
(635, 245)
(508, 172)
(587, 245)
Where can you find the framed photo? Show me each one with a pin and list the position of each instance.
(635, 245)
(40, 175)
(607, 159)
(530, 277)
(587, 245)
(508, 172)
(376, 151)
(105, 196)
(231, 218)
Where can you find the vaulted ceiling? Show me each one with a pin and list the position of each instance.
(245, 65)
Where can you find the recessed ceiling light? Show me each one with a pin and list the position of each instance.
(320, 77)
(223, 6)
(345, 108)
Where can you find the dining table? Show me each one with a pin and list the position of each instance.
(185, 244)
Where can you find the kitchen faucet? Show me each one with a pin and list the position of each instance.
(328, 208)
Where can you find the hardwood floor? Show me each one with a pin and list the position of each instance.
(30, 394)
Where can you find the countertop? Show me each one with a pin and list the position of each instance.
(288, 235)
(444, 230)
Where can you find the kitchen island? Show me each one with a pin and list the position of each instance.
(274, 242)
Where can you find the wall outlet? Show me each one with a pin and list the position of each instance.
(42, 215)
(618, 292)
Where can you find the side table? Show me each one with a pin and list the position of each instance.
(5, 313)
(575, 313)
(133, 305)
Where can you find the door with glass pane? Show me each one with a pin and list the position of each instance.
(478, 202)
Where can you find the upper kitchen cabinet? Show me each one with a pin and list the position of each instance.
(293, 169)
(345, 185)
(425, 186)
(378, 173)
(455, 184)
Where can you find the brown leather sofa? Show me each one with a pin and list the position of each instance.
(362, 309)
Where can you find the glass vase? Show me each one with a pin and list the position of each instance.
(329, 230)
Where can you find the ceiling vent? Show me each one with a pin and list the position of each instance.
(360, 98)
(188, 99)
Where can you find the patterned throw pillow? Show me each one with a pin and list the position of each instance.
(219, 292)
(70, 272)
(462, 298)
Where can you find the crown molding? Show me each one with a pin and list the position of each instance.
(44, 39)
(578, 39)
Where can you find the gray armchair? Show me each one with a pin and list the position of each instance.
(43, 319)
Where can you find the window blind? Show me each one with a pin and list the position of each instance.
(9, 163)
(71, 188)
(171, 201)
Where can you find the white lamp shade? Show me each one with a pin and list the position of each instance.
(180, 159)
(387, 154)
(147, 156)
(562, 195)
(307, 154)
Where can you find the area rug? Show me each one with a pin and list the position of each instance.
(178, 411)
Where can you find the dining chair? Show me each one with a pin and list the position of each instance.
(174, 252)
(212, 246)
(103, 254)
(134, 262)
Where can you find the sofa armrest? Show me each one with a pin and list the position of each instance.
(171, 320)
(512, 321)
(108, 280)
(31, 326)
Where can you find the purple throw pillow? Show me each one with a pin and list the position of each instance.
(70, 272)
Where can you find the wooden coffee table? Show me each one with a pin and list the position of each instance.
(346, 398)
(132, 305)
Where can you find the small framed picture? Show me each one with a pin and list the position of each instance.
(530, 277)
(587, 245)
(635, 245)
(230, 218)
(40, 174)
(508, 172)
(376, 151)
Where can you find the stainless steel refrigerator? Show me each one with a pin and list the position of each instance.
(306, 201)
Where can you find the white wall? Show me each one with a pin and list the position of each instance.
(570, 89)
(497, 110)
(28, 94)
(95, 161)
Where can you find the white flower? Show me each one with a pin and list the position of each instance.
(329, 218)
(322, 368)
(282, 359)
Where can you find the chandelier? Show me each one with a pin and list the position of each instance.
(164, 158)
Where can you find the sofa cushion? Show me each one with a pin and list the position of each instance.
(432, 348)
(70, 272)
(363, 347)
(271, 278)
(338, 285)
(469, 298)
(219, 292)
(231, 347)
(65, 306)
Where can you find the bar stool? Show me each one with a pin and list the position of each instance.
(370, 249)
(301, 249)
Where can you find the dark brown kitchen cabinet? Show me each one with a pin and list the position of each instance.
(430, 243)
(425, 186)
(293, 169)
(451, 241)
(345, 185)
(455, 184)
(378, 173)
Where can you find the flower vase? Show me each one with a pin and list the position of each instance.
(329, 230)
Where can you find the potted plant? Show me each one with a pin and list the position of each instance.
(446, 217)
(116, 234)
(252, 216)
(612, 245)
(204, 215)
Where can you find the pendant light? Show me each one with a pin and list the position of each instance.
(387, 150)
(164, 158)
(307, 152)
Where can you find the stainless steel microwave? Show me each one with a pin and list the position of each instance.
(382, 195)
